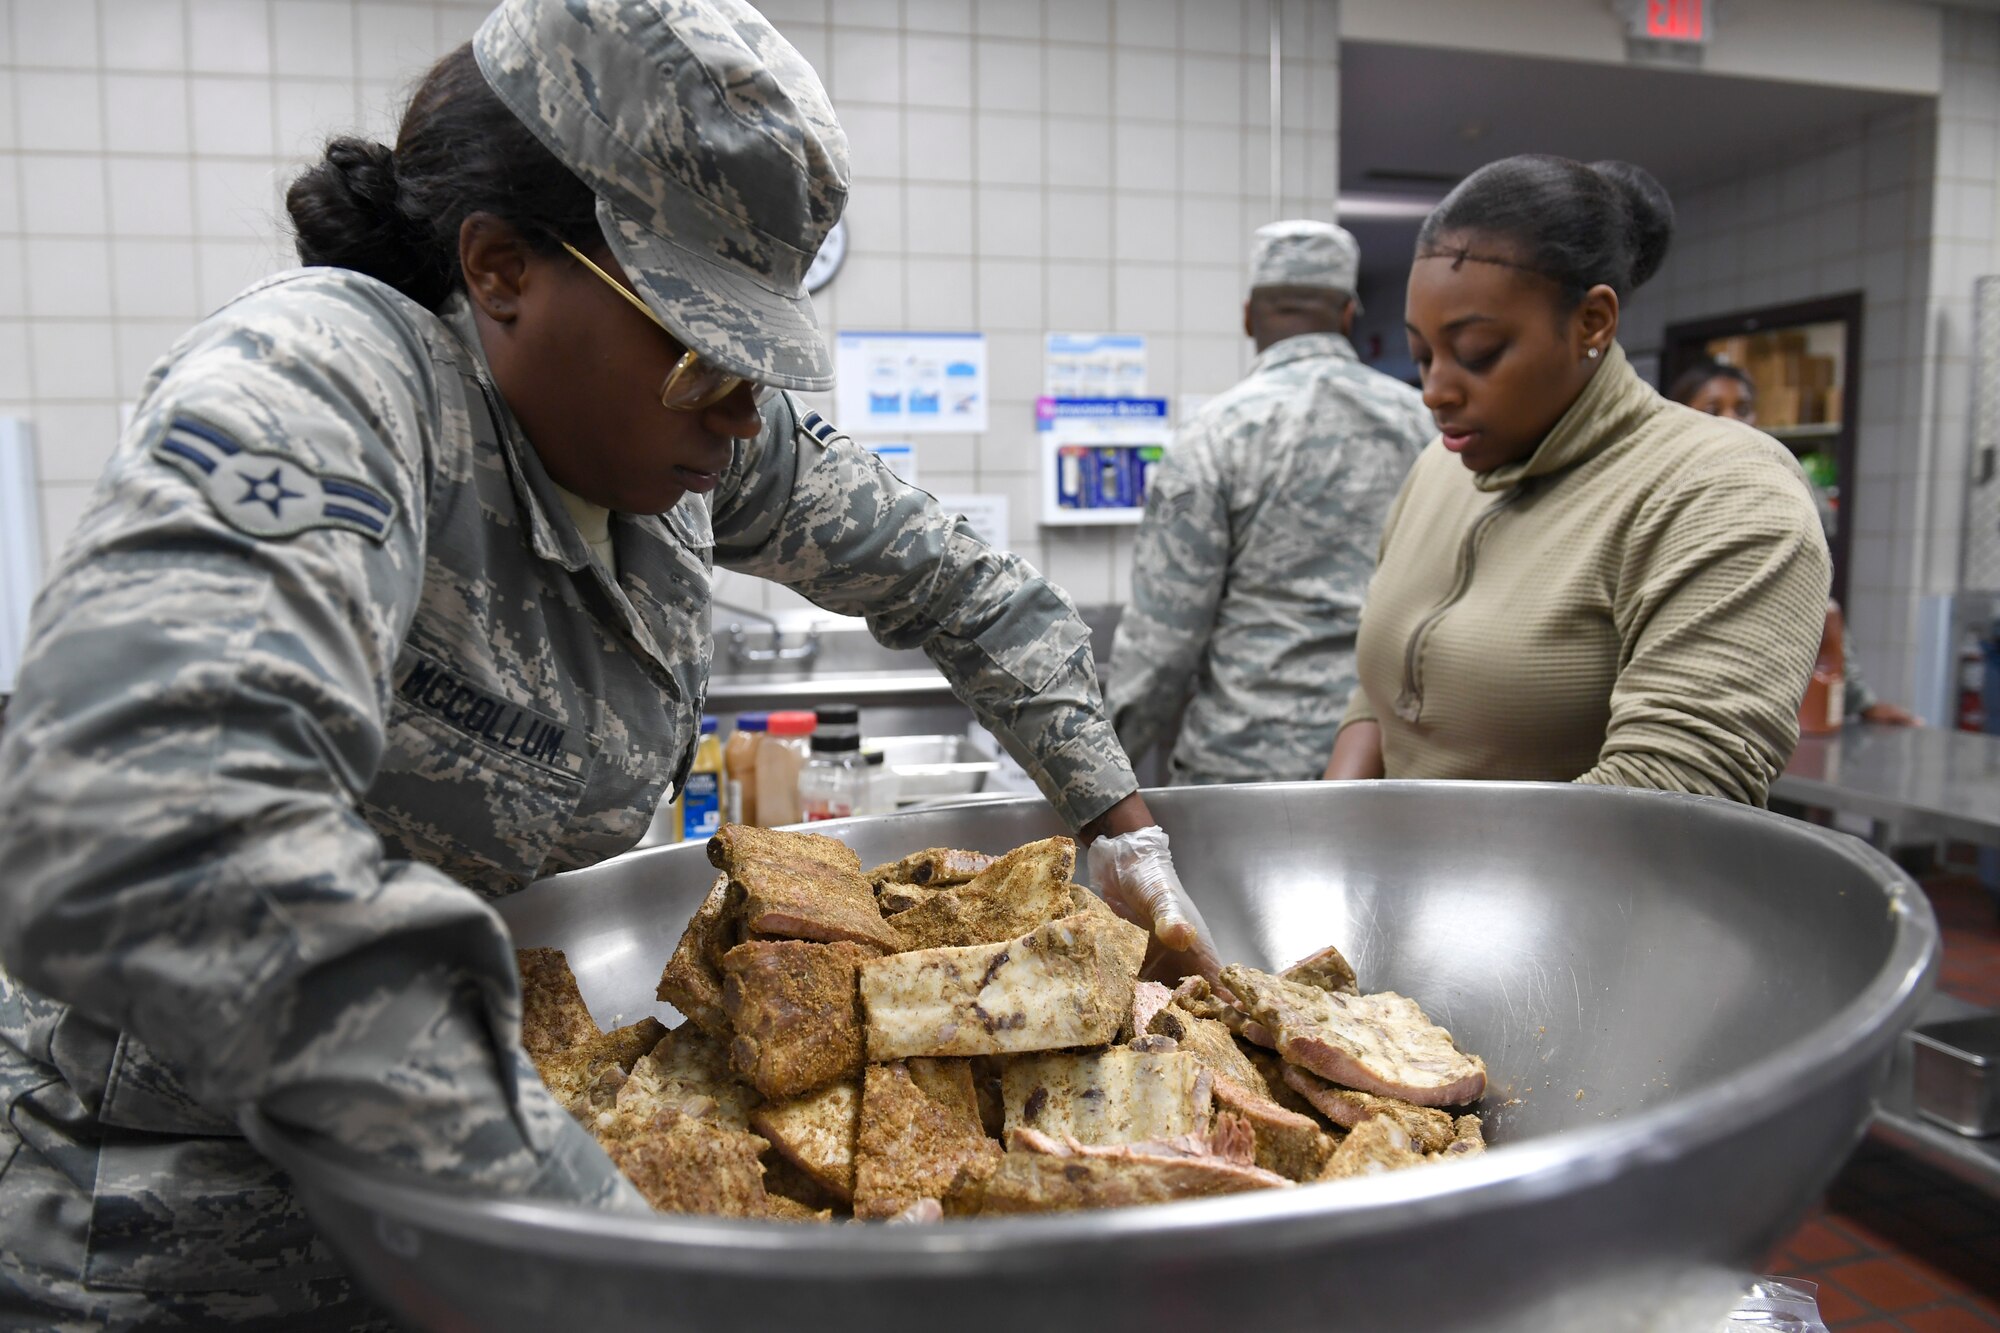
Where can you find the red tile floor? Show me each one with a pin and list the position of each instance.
(1895, 1246)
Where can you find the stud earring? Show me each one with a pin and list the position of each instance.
(1593, 353)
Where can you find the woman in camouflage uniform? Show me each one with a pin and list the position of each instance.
(393, 599)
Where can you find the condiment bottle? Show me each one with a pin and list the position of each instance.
(835, 781)
(883, 785)
(701, 797)
(1825, 706)
(781, 756)
(739, 769)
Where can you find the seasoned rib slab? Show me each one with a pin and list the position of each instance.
(934, 867)
(1328, 970)
(687, 1072)
(1148, 998)
(692, 980)
(686, 1164)
(911, 1147)
(800, 886)
(1208, 1041)
(553, 1015)
(1429, 1130)
(587, 1077)
(817, 1133)
(1286, 1142)
(1468, 1138)
(1067, 983)
(1038, 1175)
(1115, 1096)
(792, 1006)
(1021, 890)
(1373, 1147)
(1378, 1043)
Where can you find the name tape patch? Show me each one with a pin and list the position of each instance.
(434, 688)
(270, 495)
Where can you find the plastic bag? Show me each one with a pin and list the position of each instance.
(1777, 1305)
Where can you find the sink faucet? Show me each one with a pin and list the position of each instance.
(742, 654)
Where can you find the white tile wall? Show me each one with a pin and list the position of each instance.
(144, 146)
(1019, 166)
(1902, 208)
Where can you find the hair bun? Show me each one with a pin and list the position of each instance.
(1649, 216)
(346, 214)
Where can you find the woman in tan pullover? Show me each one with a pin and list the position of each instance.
(1580, 580)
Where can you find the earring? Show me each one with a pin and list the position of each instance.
(1594, 353)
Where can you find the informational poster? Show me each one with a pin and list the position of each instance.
(1094, 365)
(901, 458)
(1097, 457)
(986, 513)
(912, 383)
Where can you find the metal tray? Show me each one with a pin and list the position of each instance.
(1956, 1067)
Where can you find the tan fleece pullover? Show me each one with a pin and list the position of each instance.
(1637, 603)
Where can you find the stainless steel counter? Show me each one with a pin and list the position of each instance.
(1927, 782)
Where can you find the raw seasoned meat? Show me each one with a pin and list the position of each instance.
(688, 1072)
(1286, 1142)
(1468, 1138)
(692, 980)
(1021, 890)
(792, 1005)
(1148, 998)
(1326, 969)
(1210, 1042)
(948, 1082)
(1115, 1096)
(800, 886)
(1067, 983)
(1371, 1148)
(934, 867)
(553, 1015)
(1429, 1130)
(1379, 1043)
(911, 1147)
(586, 1078)
(688, 1164)
(1041, 1175)
(817, 1133)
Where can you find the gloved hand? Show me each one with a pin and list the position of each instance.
(1135, 874)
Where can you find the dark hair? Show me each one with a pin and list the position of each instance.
(395, 215)
(1580, 226)
(1688, 383)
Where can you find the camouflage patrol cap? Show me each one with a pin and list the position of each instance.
(714, 154)
(1304, 253)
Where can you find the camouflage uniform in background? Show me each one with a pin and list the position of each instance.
(1257, 544)
(324, 669)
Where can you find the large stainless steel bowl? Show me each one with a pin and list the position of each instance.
(1685, 1005)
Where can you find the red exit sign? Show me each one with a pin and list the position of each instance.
(1675, 20)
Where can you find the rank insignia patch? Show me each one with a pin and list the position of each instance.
(271, 495)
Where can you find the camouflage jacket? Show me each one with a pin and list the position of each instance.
(324, 668)
(1252, 561)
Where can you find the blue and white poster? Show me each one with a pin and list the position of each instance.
(911, 383)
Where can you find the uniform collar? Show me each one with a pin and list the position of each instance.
(644, 542)
(1302, 345)
(1610, 407)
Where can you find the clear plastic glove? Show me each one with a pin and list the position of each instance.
(1135, 874)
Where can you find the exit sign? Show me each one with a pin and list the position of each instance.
(1675, 21)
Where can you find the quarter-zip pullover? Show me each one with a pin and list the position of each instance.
(1636, 603)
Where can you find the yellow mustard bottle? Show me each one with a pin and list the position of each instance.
(700, 800)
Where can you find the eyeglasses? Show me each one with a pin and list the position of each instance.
(692, 384)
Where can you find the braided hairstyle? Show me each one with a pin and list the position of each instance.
(394, 214)
(1580, 226)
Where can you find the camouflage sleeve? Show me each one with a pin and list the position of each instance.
(1179, 565)
(805, 506)
(201, 707)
